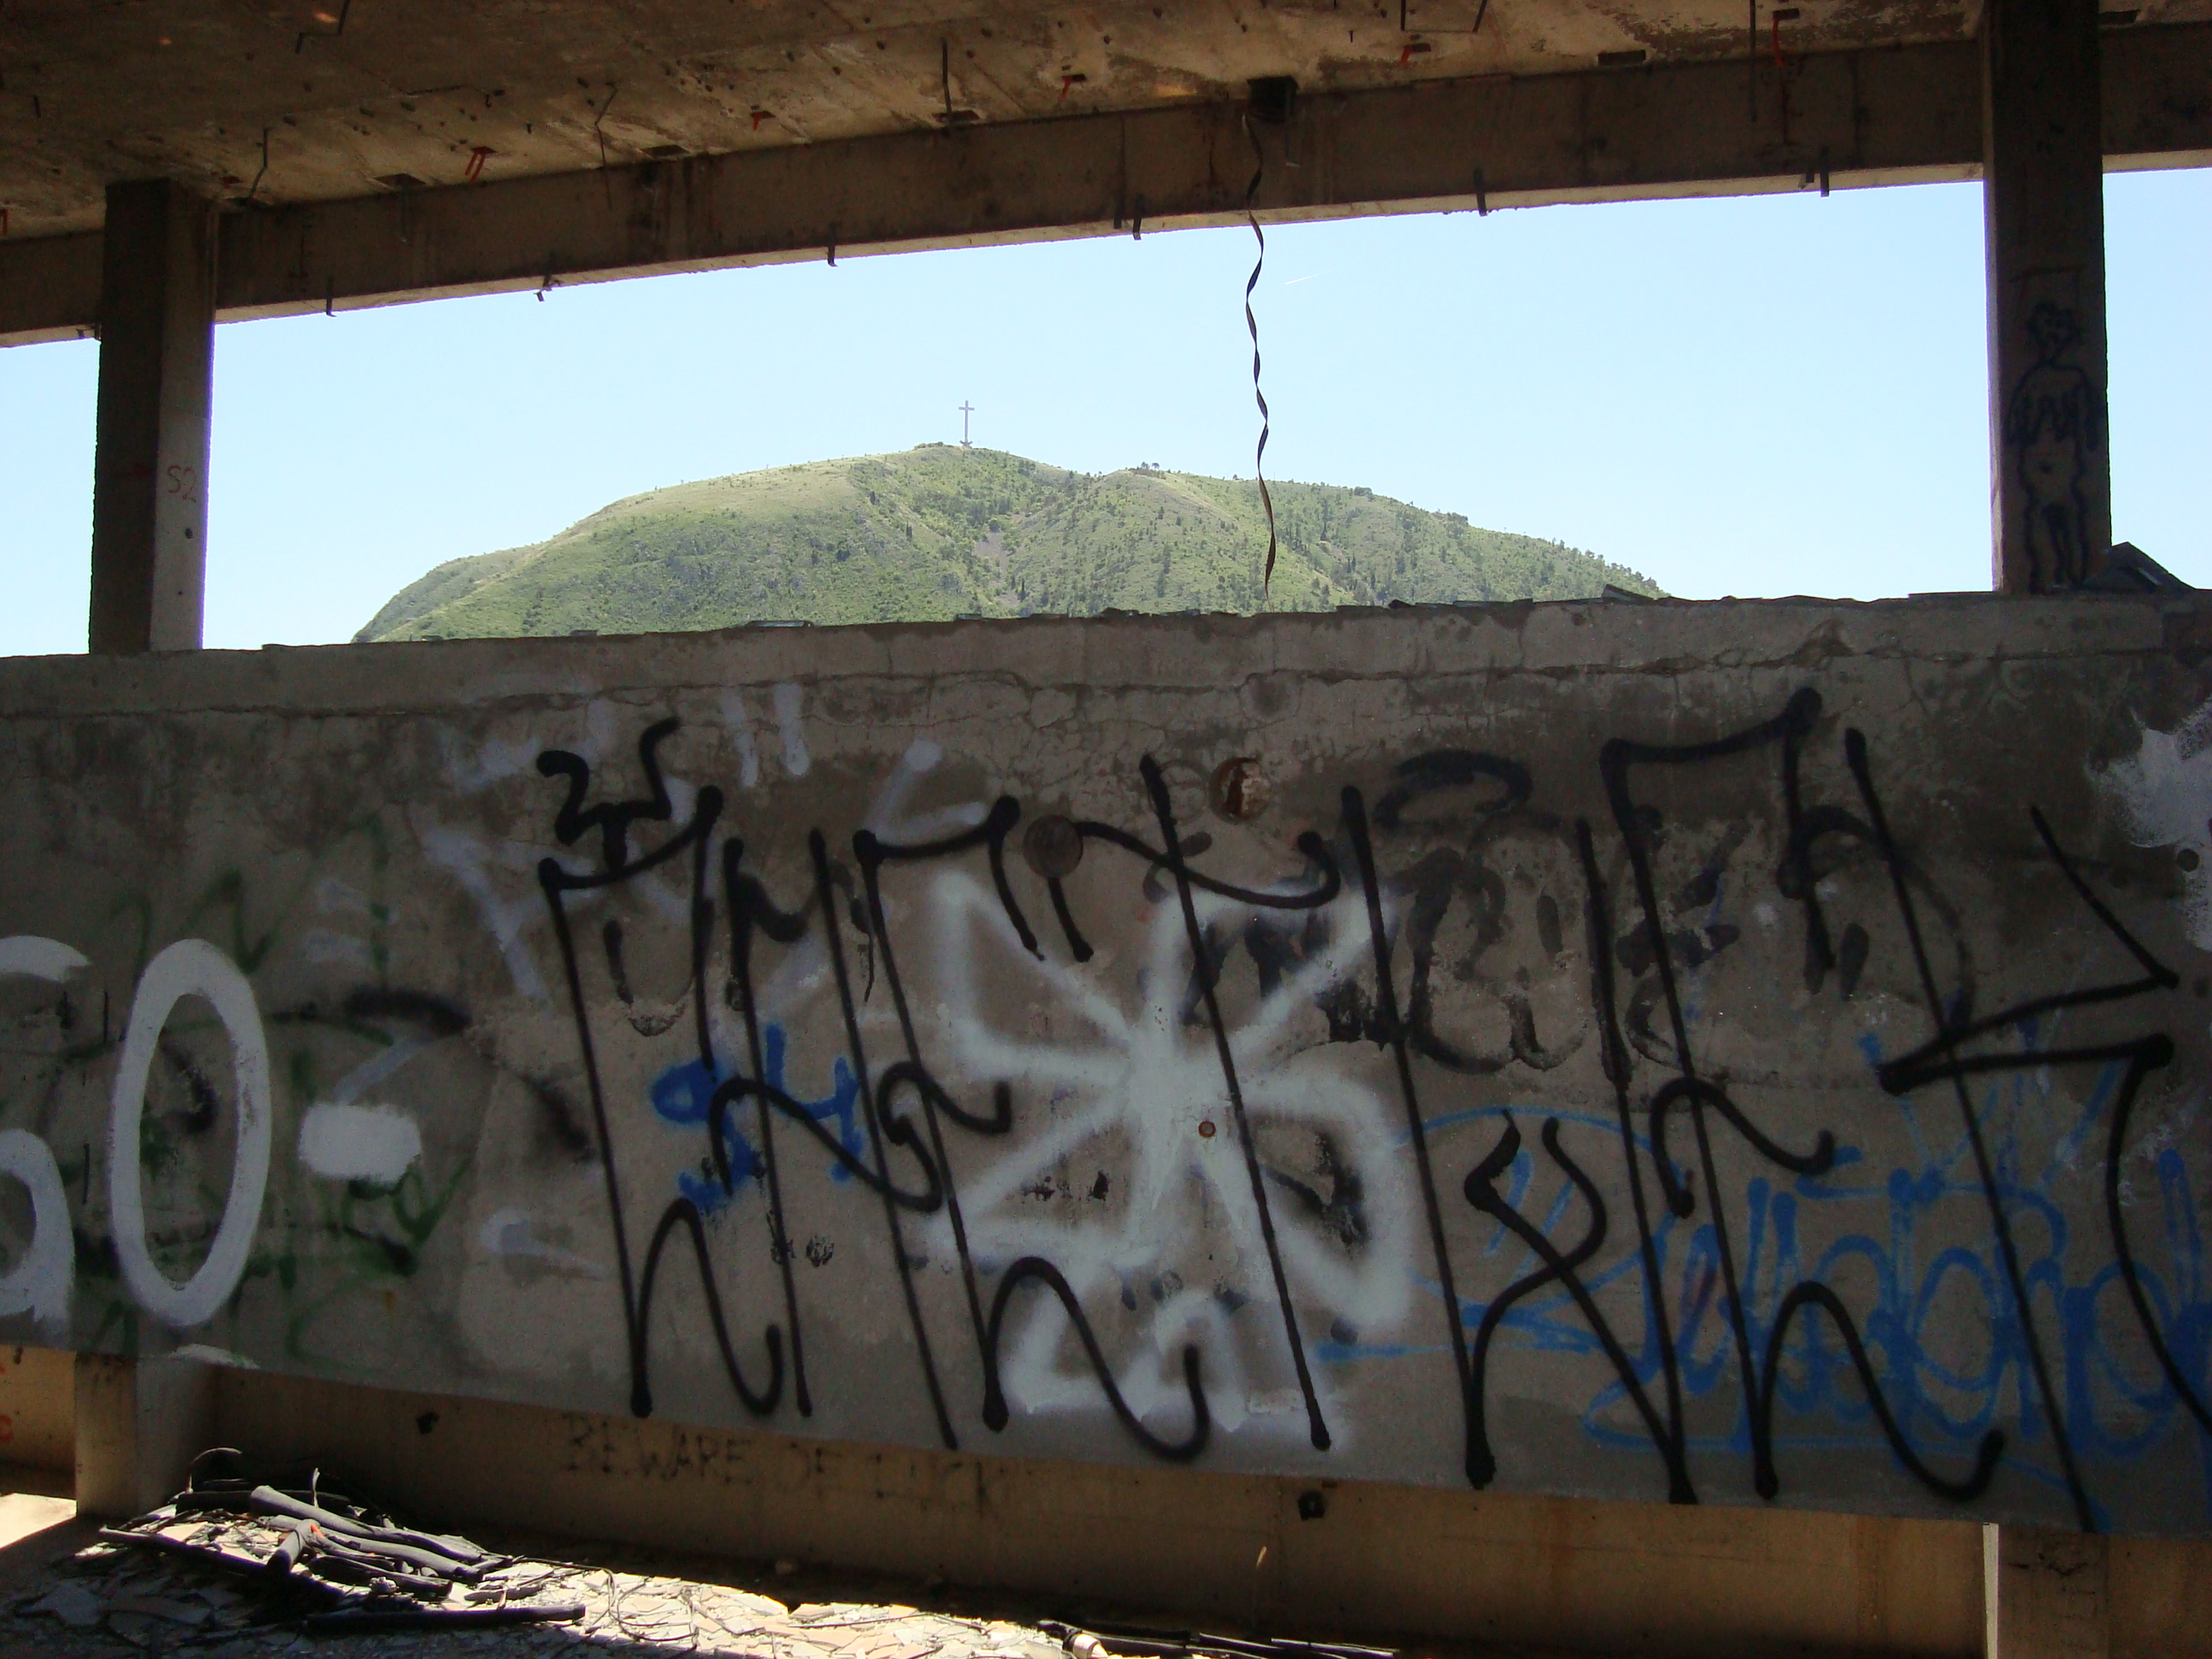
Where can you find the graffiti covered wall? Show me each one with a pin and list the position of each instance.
(1725, 1054)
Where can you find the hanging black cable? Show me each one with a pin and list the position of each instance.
(1259, 455)
(1270, 101)
(253, 190)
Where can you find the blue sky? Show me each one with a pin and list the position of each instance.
(1755, 396)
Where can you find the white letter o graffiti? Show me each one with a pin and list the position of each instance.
(190, 967)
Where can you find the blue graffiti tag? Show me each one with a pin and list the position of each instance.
(683, 1094)
(1943, 1405)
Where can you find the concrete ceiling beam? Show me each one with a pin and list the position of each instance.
(1889, 116)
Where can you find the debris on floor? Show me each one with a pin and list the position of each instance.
(231, 1552)
(238, 1566)
(246, 1564)
(160, 1599)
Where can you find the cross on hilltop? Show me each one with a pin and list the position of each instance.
(966, 409)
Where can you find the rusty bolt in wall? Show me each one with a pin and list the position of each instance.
(1054, 846)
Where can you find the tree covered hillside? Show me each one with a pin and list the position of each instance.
(942, 532)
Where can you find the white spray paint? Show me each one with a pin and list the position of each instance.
(741, 725)
(1139, 1077)
(470, 862)
(39, 1284)
(342, 1142)
(377, 1067)
(2165, 794)
(510, 1232)
(329, 946)
(887, 814)
(190, 967)
(473, 861)
(789, 723)
(802, 972)
(476, 764)
(342, 897)
(326, 949)
(48, 959)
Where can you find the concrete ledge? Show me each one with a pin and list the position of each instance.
(1380, 1559)
(1586, 639)
(38, 1409)
(1608, 1577)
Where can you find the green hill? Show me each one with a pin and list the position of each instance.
(942, 532)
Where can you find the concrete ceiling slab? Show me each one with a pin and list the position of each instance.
(274, 102)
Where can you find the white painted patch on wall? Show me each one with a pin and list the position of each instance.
(39, 959)
(375, 1144)
(741, 725)
(2164, 795)
(788, 711)
(510, 1232)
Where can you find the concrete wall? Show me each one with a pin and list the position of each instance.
(38, 1409)
(357, 1035)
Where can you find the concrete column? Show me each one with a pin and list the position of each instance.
(150, 470)
(2043, 1595)
(139, 1425)
(2043, 161)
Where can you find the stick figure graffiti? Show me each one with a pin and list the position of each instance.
(2054, 429)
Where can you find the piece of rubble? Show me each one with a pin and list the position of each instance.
(194, 1614)
(71, 1603)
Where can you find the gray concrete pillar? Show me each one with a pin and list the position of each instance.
(139, 1425)
(2043, 163)
(2043, 1595)
(149, 468)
